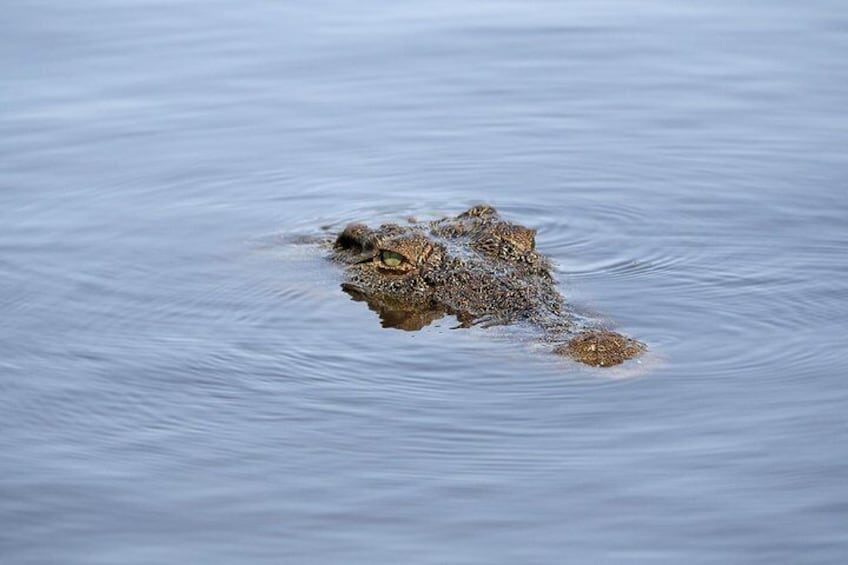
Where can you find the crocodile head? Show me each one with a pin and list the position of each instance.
(475, 266)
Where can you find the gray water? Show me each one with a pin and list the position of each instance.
(183, 381)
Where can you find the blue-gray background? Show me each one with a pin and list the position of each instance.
(180, 383)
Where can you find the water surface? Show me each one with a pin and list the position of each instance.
(180, 382)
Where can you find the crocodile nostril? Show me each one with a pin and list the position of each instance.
(601, 348)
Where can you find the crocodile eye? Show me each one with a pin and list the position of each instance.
(391, 259)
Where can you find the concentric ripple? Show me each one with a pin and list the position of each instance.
(713, 297)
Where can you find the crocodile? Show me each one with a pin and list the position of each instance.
(476, 266)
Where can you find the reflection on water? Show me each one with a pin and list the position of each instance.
(182, 380)
(398, 315)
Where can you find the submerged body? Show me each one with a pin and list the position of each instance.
(475, 266)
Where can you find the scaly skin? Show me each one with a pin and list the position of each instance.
(477, 267)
